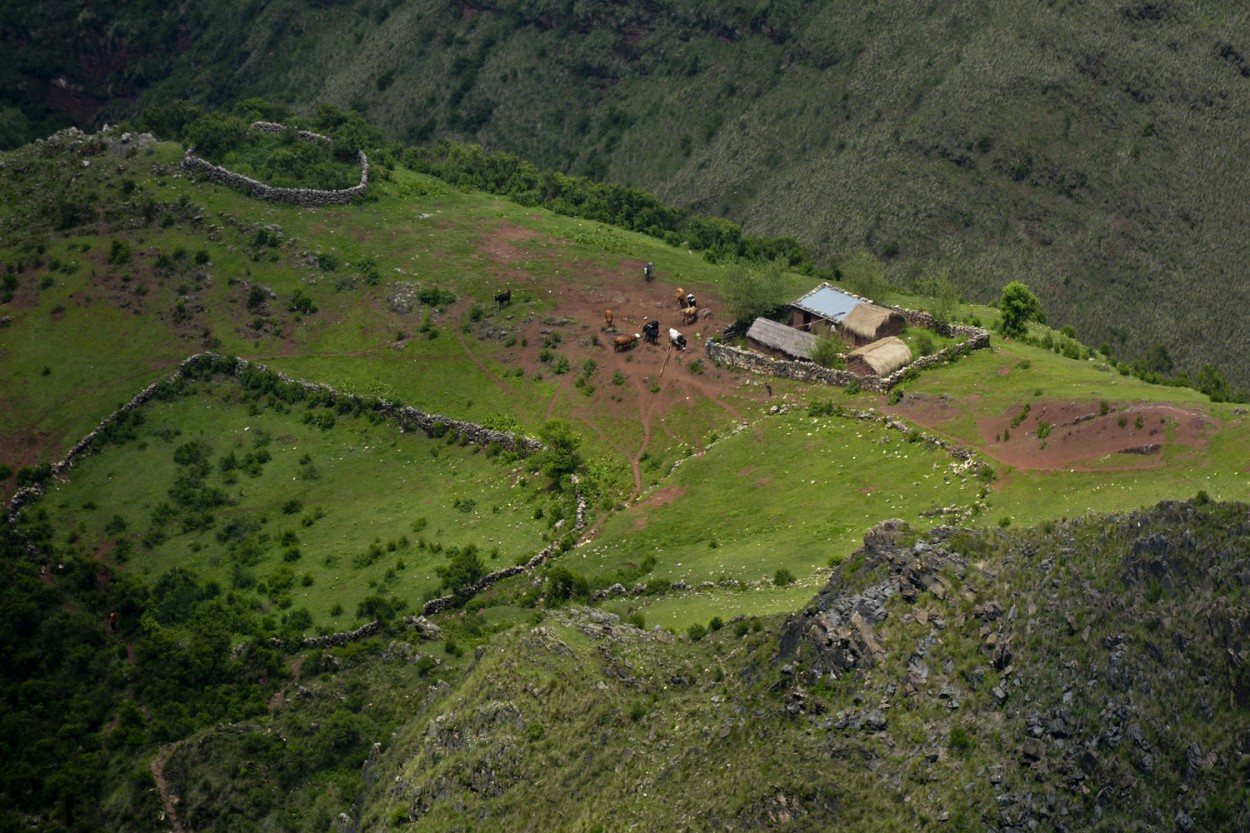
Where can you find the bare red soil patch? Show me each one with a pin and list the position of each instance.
(652, 381)
(1078, 435)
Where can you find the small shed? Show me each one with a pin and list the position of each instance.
(867, 323)
(881, 358)
(779, 341)
(822, 309)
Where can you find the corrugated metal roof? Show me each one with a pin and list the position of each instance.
(828, 302)
(781, 337)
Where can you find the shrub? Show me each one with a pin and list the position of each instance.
(827, 352)
(302, 303)
(783, 577)
(119, 253)
(1018, 306)
(696, 632)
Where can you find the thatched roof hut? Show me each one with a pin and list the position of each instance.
(773, 339)
(881, 358)
(867, 323)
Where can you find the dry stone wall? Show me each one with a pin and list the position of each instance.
(405, 416)
(304, 197)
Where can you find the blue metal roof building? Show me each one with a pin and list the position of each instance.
(822, 303)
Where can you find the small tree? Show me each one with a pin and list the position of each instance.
(1211, 382)
(215, 134)
(1018, 306)
(944, 294)
(749, 293)
(461, 572)
(826, 351)
(560, 457)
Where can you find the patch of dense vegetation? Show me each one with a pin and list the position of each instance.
(283, 159)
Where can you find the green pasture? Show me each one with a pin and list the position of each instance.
(334, 515)
(87, 330)
(794, 492)
(1002, 379)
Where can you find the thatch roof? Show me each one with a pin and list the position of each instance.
(864, 322)
(780, 337)
(884, 356)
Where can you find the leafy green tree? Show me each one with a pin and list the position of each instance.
(380, 608)
(1211, 382)
(461, 572)
(169, 121)
(215, 134)
(827, 351)
(752, 292)
(944, 294)
(1018, 306)
(564, 584)
(560, 458)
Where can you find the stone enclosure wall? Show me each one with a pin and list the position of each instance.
(802, 371)
(304, 197)
(406, 417)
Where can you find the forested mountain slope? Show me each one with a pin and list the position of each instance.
(1091, 149)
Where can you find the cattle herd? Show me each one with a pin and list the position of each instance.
(686, 304)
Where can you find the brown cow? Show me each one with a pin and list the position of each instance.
(689, 315)
(607, 318)
(621, 343)
(680, 295)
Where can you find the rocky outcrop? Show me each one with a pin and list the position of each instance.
(1092, 659)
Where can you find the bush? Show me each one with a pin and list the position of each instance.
(119, 253)
(783, 577)
(827, 352)
(751, 292)
(696, 632)
(1018, 306)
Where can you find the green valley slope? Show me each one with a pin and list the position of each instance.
(1090, 149)
(157, 598)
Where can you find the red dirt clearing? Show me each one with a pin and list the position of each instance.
(1130, 435)
(657, 379)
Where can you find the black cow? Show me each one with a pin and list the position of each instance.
(651, 332)
(504, 298)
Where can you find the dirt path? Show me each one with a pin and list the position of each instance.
(168, 800)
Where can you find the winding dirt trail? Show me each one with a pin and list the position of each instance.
(168, 800)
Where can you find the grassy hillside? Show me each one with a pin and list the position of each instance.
(157, 595)
(1090, 149)
(1031, 692)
